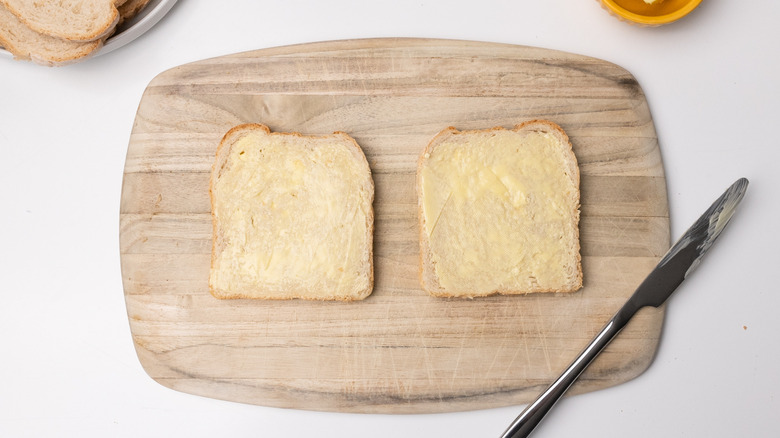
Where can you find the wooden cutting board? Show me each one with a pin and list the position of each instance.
(398, 351)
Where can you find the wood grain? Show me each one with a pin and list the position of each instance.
(398, 351)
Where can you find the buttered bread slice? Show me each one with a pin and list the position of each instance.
(499, 212)
(292, 216)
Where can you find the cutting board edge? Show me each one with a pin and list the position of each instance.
(380, 43)
(309, 401)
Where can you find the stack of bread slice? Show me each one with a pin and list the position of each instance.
(60, 32)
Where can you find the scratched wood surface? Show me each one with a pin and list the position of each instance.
(399, 351)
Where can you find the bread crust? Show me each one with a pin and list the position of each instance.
(221, 156)
(429, 281)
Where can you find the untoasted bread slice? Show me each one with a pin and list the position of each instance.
(292, 216)
(27, 44)
(128, 9)
(75, 20)
(499, 212)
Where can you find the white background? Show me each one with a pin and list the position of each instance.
(68, 366)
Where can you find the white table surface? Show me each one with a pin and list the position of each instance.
(68, 366)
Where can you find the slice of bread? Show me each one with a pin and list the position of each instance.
(292, 216)
(128, 9)
(499, 212)
(27, 44)
(74, 20)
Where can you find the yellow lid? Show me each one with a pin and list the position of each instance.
(656, 14)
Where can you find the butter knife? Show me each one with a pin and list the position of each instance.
(683, 257)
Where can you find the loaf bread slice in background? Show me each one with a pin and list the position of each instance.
(292, 216)
(499, 212)
(128, 9)
(27, 44)
(45, 49)
(74, 20)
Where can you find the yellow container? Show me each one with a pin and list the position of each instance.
(656, 14)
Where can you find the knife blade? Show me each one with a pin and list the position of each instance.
(673, 268)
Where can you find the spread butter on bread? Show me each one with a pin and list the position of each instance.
(292, 216)
(499, 212)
